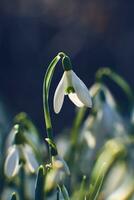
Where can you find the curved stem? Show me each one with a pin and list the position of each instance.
(117, 79)
(46, 87)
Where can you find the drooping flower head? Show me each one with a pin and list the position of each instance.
(71, 85)
(20, 153)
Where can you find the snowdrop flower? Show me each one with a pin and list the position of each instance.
(72, 86)
(17, 153)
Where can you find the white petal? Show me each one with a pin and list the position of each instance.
(74, 98)
(81, 90)
(59, 95)
(31, 162)
(12, 162)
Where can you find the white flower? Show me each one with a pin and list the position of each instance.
(71, 85)
(12, 166)
(17, 153)
(57, 174)
(59, 163)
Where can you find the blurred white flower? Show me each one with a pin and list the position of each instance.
(57, 174)
(71, 85)
(108, 121)
(115, 177)
(12, 166)
(125, 190)
(59, 163)
(6, 193)
(63, 143)
(17, 153)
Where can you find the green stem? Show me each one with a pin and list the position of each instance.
(117, 79)
(76, 125)
(22, 183)
(82, 191)
(46, 87)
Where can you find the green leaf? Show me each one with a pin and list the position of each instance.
(110, 153)
(39, 189)
(14, 196)
(64, 192)
(95, 189)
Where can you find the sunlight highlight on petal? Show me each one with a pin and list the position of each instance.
(81, 90)
(31, 162)
(12, 162)
(59, 96)
(74, 98)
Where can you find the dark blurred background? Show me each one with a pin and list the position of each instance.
(94, 33)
